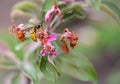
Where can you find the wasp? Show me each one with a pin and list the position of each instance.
(33, 30)
(20, 31)
(36, 27)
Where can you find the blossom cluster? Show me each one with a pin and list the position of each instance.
(18, 31)
(71, 36)
(39, 34)
(53, 11)
(46, 41)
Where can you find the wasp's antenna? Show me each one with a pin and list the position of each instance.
(13, 23)
(41, 22)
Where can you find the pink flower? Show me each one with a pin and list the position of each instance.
(53, 52)
(48, 49)
(48, 16)
(46, 41)
(43, 52)
(52, 37)
(52, 12)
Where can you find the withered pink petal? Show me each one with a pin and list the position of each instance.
(53, 52)
(48, 16)
(53, 11)
(59, 13)
(21, 26)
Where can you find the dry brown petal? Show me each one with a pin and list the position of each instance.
(42, 41)
(45, 35)
(73, 43)
(62, 38)
(73, 40)
(65, 47)
(20, 35)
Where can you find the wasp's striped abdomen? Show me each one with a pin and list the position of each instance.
(33, 35)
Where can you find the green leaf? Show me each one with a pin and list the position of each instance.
(11, 42)
(69, 16)
(47, 5)
(94, 3)
(18, 13)
(31, 71)
(48, 70)
(73, 11)
(17, 79)
(6, 63)
(25, 8)
(63, 6)
(111, 9)
(77, 66)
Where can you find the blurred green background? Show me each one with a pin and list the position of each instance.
(99, 41)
